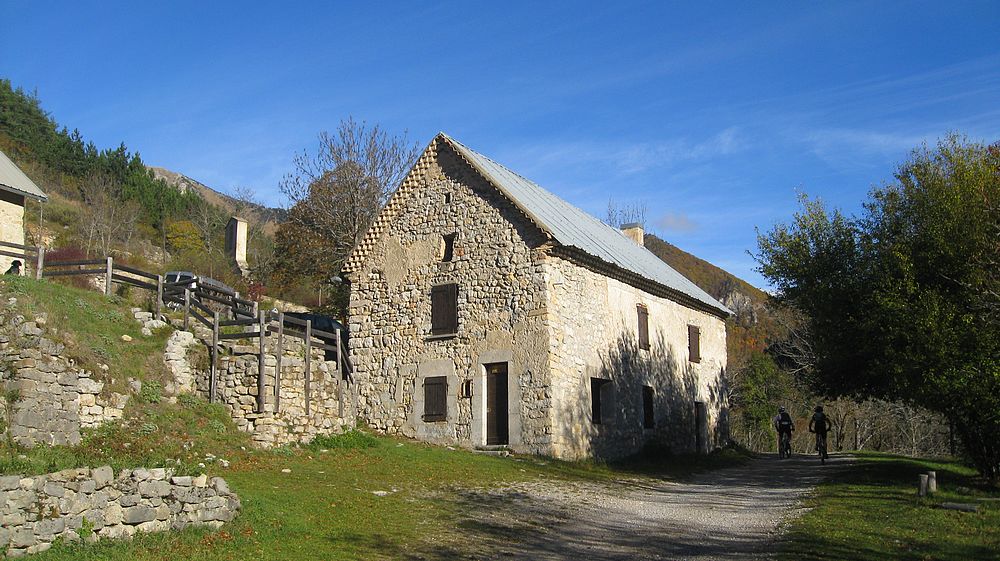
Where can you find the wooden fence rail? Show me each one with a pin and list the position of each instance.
(244, 313)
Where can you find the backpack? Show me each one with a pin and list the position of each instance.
(820, 424)
(785, 422)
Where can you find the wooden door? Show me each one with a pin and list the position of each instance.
(497, 428)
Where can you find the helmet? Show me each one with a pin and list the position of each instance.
(781, 409)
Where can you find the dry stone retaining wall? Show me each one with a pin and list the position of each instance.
(93, 504)
(57, 397)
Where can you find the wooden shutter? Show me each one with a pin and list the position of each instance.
(648, 420)
(436, 398)
(694, 343)
(643, 315)
(444, 309)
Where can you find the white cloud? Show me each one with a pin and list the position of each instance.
(676, 222)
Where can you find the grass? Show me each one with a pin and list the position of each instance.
(91, 326)
(326, 507)
(871, 512)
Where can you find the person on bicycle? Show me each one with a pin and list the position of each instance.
(820, 425)
(783, 424)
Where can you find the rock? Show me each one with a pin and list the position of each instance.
(220, 485)
(139, 514)
(286, 470)
(146, 332)
(127, 338)
(200, 481)
(181, 481)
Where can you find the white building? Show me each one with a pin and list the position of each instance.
(15, 186)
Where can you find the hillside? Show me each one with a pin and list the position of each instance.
(184, 184)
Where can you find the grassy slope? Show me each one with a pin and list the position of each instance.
(707, 276)
(872, 513)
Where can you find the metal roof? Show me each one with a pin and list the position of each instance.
(13, 179)
(573, 227)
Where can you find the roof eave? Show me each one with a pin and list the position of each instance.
(28, 194)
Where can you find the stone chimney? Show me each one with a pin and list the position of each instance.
(634, 231)
(236, 244)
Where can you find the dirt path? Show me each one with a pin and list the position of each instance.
(732, 513)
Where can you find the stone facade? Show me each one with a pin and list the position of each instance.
(501, 302)
(56, 397)
(237, 391)
(11, 224)
(87, 504)
(551, 321)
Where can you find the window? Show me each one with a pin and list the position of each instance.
(467, 388)
(694, 343)
(448, 251)
(444, 309)
(643, 315)
(648, 421)
(447, 198)
(436, 398)
(599, 394)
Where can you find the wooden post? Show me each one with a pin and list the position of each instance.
(309, 328)
(922, 485)
(262, 327)
(215, 357)
(41, 263)
(277, 356)
(340, 379)
(932, 482)
(159, 294)
(107, 276)
(256, 308)
(187, 306)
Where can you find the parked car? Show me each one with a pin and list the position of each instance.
(328, 324)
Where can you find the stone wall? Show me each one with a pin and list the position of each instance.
(594, 334)
(93, 504)
(57, 398)
(237, 391)
(11, 225)
(501, 300)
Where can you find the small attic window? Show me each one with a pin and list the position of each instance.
(447, 198)
(448, 249)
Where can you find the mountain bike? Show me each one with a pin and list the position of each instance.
(785, 445)
(821, 447)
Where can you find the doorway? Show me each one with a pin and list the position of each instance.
(497, 427)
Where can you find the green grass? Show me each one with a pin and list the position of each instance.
(326, 507)
(91, 326)
(871, 512)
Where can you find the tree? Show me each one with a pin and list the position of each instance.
(619, 215)
(335, 194)
(109, 219)
(894, 300)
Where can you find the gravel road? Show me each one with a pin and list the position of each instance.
(733, 513)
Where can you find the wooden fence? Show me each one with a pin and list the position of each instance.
(214, 307)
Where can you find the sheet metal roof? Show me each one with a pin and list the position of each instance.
(573, 227)
(13, 179)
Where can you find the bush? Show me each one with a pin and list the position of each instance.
(350, 440)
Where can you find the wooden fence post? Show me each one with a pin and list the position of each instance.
(262, 327)
(187, 306)
(107, 276)
(932, 482)
(309, 327)
(215, 357)
(40, 264)
(340, 380)
(159, 294)
(277, 356)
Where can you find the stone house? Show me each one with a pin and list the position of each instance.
(486, 311)
(15, 186)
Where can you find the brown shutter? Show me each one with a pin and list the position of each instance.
(643, 315)
(444, 309)
(648, 421)
(694, 343)
(436, 398)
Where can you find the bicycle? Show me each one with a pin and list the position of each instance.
(784, 445)
(821, 447)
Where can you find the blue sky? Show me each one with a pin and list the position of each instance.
(715, 115)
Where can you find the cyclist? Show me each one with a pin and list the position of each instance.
(820, 425)
(784, 426)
